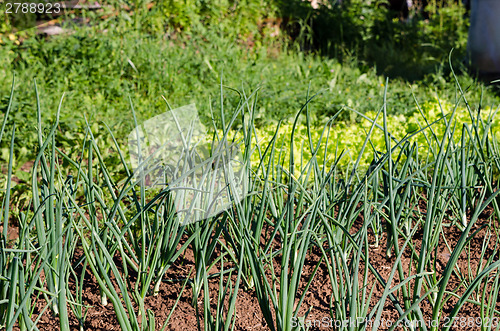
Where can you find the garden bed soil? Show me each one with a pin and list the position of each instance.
(317, 300)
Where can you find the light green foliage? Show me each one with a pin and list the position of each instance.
(350, 136)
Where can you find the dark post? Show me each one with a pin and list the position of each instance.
(483, 46)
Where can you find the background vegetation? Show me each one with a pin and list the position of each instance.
(183, 50)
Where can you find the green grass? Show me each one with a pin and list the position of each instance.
(99, 73)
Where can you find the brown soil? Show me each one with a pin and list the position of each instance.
(317, 300)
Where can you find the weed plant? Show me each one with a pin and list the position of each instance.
(100, 72)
